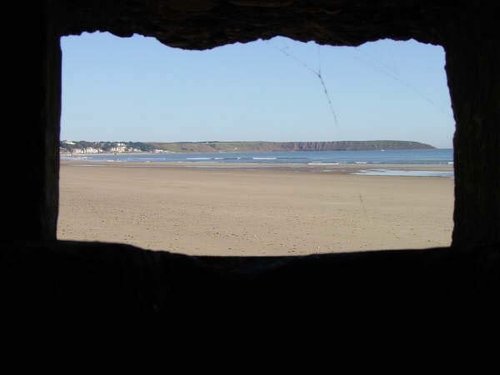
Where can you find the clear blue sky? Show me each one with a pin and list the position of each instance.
(136, 89)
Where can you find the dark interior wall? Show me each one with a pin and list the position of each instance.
(38, 274)
(48, 128)
(472, 48)
(202, 24)
(80, 277)
(31, 112)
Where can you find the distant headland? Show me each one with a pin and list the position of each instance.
(85, 147)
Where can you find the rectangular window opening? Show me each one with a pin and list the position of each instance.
(270, 148)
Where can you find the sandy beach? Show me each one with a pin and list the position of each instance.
(247, 210)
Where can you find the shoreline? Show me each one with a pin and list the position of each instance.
(346, 168)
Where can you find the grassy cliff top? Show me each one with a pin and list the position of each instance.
(290, 146)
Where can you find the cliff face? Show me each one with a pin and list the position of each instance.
(290, 146)
(353, 146)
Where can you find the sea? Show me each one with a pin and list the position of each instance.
(373, 160)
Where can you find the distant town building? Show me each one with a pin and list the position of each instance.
(120, 147)
(86, 150)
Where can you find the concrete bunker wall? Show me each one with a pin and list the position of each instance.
(466, 30)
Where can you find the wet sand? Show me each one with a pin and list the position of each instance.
(248, 210)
